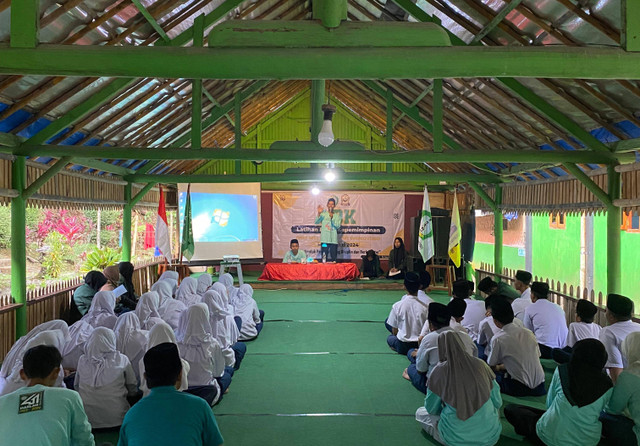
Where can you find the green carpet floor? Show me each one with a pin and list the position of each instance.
(321, 373)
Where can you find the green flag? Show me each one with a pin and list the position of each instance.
(188, 246)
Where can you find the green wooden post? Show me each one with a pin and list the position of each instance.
(630, 30)
(437, 115)
(25, 23)
(126, 224)
(497, 232)
(389, 134)
(614, 221)
(19, 244)
(238, 129)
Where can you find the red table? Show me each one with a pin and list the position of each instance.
(310, 271)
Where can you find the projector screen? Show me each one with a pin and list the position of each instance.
(226, 220)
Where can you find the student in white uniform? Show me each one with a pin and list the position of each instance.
(131, 340)
(475, 311)
(247, 310)
(227, 280)
(41, 414)
(101, 312)
(231, 327)
(546, 319)
(159, 334)
(78, 336)
(104, 380)
(584, 328)
(457, 307)
(169, 308)
(204, 283)
(425, 358)
(619, 312)
(148, 308)
(221, 324)
(522, 285)
(407, 317)
(425, 281)
(187, 291)
(207, 376)
(515, 354)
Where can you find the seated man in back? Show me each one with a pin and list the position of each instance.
(475, 310)
(425, 281)
(489, 287)
(619, 312)
(40, 414)
(295, 254)
(521, 284)
(168, 417)
(583, 328)
(407, 317)
(514, 354)
(546, 320)
(370, 268)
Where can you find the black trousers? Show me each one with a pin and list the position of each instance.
(524, 419)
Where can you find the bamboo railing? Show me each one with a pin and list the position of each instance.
(567, 296)
(54, 301)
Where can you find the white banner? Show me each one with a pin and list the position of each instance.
(369, 221)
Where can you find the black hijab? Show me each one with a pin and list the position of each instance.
(398, 253)
(583, 378)
(95, 279)
(126, 271)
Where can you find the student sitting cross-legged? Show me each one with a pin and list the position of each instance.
(407, 317)
(619, 311)
(40, 414)
(578, 393)
(425, 358)
(584, 328)
(514, 354)
(168, 417)
(463, 399)
(546, 320)
(474, 311)
(621, 423)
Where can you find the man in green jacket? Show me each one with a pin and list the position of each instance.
(329, 222)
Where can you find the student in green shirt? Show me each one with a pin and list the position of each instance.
(621, 422)
(295, 255)
(489, 287)
(329, 222)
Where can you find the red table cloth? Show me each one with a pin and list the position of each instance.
(310, 271)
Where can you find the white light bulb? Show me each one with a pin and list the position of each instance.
(325, 137)
(330, 176)
(315, 190)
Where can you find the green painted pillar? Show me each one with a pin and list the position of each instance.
(126, 224)
(317, 99)
(614, 221)
(497, 231)
(19, 244)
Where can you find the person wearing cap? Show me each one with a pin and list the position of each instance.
(370, 267)
(521, 284)
(488, 286)
(474, 311)
(425, 281)
(487, 328)
(40, 413)
(425, 358)
(514, 354)
(619, 312)
(407, 317)
(295, 254)
(168, 417)
(546, 320)
(583, 328)
(457, 308)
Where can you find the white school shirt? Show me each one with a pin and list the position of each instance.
(548, 322)
(423, 297)
(521, 303)
(612, 337)
(582, 330)
(474, 313)
(50, 416)
(427, 357)
(517, 348)
(408, 315)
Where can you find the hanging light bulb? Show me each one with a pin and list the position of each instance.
(330, 174)
(325, 137)
(315, 190)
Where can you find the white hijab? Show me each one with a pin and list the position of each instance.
(159, 334)
(187, 291)
(78, 335)
(19, 348)
(195, 337)
(147, 307)
(631, 351)
(101, 363)
(227, 280)
(101, 312)
(204, 282)
(223, 326)
(244, 301)
(128, 328)
(169, 309)
(172, 275)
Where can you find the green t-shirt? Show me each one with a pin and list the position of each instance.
(329, 227)
(290, 258)
(507, 290)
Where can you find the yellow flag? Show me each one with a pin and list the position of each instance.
(455, 234)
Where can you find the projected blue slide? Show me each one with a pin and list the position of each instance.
(222, 217)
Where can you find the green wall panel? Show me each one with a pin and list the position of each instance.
(483, 252)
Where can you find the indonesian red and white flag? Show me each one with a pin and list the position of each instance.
(163, 242)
